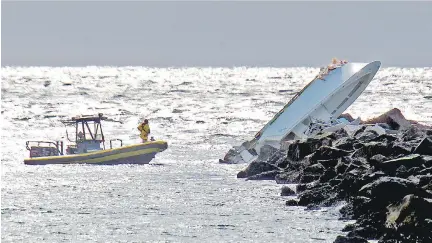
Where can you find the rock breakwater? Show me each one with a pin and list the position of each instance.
(384, 178)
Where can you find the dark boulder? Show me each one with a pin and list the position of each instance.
(424, 180)
(351, 184)
(348, 227)
(315, 169)
(427, 161)
(387, 149)
(316, 195)
(385, 138)
(359, 131)
(367, 150)
(341, 167)
(346, 213)
(340, 134)
(268, 175)
(307, 186)
(328, 175)
(277, 159)
(297, 165)
(286, 191)
(378, 158)
(347, 239)
(413, 134)
(366, 136)
(288, 177)
(410, 220)
(413, 172)
(401, 172)
(309, 177)
(424, 147)
(335, 181)
(255, 168)
(328, 163)
(400, 149)
(326, 153)
(366, 231)
(360, 206)
(409, 161)
(291, 202)
(369, 177)
(300, 149)
(346, 143)
(242, 174)
(302, 187)
(386, 190)
(283, 162)
(426, 171)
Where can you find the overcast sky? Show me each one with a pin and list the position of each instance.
(202, 33)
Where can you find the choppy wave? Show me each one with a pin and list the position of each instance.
(189, 197)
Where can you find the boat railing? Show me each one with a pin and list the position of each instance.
(116, 139)
(44, 148)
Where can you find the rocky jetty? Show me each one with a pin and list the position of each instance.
(384, 178)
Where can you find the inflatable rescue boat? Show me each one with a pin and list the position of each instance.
(88, 147)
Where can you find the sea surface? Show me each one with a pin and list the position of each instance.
(184, 194)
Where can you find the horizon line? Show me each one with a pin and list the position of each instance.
(185, 66)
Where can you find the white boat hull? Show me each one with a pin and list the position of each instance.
(322, 100)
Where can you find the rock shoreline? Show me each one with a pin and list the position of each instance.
(385, 180)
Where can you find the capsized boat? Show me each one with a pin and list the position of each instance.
(88, 147)
(311, 110)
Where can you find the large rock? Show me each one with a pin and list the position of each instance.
(279, 159)
(366, 136)
(288, 177)
(347, 239)
(308, 177)
(326, 153)
(328, 163)
(393, 117)
(410, 220)
(356, 207)
(409, 161)
(300, 149)
(388, 149)
(315, 169)
(291, 202)
(387, 190)
(268, 175)
(255, 168)
(316, 195)
(345, 143)
(425, 146)
(385, 138)
(378, 158)
(328, 175)
(412, 137)
(286, 191)
(424, 180)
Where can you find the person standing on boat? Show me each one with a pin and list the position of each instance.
(144, 128)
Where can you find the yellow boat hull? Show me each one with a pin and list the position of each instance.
(132, 154)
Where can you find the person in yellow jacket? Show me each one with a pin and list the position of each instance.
(144, 128)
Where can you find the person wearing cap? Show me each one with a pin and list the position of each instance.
(144, 128)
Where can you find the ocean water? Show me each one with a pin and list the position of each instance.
(184, 195)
